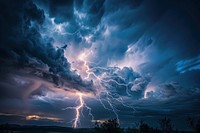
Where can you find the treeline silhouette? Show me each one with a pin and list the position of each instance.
(108, 126)
(166, 126)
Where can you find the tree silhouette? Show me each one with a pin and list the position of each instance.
(144, 127)
(197, 127)
(132, 130)
(194, 124)
(191, 123)
(109, 126)
(166, 125)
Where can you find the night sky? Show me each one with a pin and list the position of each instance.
(99, 59)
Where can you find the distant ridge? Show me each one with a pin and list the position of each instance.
(41, 129)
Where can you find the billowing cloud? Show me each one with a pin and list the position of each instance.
(133, 56)
(35, 55)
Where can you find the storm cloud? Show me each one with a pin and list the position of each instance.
(145, 53)
(24, 48)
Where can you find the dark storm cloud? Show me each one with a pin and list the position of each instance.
(167, 90)
(95, 18)
(24, 52)
(94, 10)
(62, 10)
(171, 107)
(32, 69)
(158, 39)
(172, 99)
(81, 19)
(162, 25)
(177, 38)
(130, 23)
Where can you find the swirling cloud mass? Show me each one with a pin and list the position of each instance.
(73, 62)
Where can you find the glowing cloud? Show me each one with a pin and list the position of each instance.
(37, 117)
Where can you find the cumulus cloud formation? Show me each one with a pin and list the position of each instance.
(144, 52)
(24, 48)
(122, 82)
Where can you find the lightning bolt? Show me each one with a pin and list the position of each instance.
(109, 97)
(100, 82)
(108, 101)
(78, 109)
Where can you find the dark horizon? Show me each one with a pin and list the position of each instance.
(142, 127)
(71, 63)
